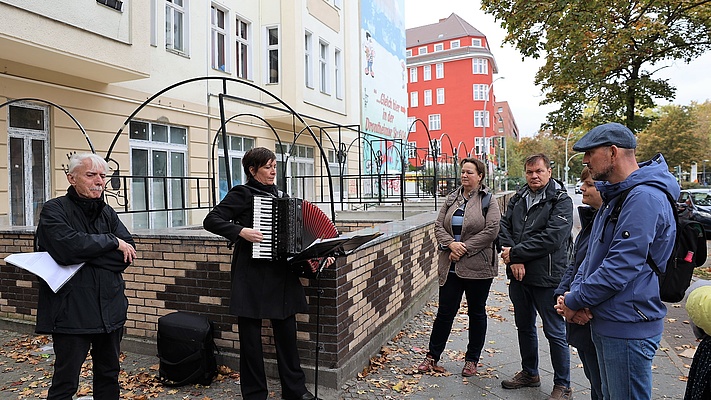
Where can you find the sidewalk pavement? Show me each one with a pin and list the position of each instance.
(25, 364)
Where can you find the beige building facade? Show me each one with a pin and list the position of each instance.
(280, 72)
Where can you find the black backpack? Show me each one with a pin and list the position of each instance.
(186, 349)
(689, 252)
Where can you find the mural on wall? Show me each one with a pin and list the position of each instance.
(383, 85)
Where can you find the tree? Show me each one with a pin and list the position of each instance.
(681, 133)
(604, 51)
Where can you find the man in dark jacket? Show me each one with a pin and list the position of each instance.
(89, 311)
(535, 236)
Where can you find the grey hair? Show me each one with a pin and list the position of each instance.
(77, 159)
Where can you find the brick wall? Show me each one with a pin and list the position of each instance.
(189, 270)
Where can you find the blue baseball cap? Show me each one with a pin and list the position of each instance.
(607, 135)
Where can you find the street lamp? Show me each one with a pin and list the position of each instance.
(485, 121)
(566, 157)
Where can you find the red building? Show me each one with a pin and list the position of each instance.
(451, 70)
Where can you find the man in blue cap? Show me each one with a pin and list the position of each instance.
(615, 281)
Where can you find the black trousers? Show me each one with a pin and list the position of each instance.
(70, 352)
(252, 376)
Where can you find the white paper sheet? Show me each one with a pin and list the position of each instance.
(44, 266)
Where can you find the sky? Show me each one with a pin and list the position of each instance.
(691, 80)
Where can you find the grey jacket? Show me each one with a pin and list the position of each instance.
(478, 234)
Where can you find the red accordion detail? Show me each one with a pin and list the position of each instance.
(317, 225)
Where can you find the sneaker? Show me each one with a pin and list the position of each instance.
(469, 368)
(521, 379)
(429, 364)
(561, 393)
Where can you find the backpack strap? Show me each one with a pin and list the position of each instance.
(615, 215)
(485, 201)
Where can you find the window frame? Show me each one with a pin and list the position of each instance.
(218, 51)
(323, 62)
(338, 72)
(434, 122)
(413, 74)
(480, 66)
(243, 49)
(438, 47)
(269, 50)
(171, 10)
(427, 97)
(414, 99)
(480, 91)
(477, 42)
(440, 95)
(427, 72)
(308, 62)
(439, 71)
(478, 115)
(422, 50)
(454, 44)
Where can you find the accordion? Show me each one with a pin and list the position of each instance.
(288, 225)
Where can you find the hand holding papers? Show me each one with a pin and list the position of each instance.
(44, 266)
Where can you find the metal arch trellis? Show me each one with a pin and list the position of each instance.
(223, 122)
(33, 99)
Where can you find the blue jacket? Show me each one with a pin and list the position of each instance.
(614, 280)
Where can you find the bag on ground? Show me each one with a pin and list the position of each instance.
(186, 349)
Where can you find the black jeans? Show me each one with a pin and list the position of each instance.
(450, 297)
(70, 352)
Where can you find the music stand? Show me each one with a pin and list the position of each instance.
(324, 248)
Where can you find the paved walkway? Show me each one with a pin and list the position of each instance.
(25, 365)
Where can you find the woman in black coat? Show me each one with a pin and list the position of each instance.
(261, 289)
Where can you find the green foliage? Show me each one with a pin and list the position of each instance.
(602, 54)
(681, 133)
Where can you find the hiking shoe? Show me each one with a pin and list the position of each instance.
(561, 393)
(429, 364)
(521, 379)
(469, 368)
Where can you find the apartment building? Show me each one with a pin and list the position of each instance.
(280, 74)
(453, 111)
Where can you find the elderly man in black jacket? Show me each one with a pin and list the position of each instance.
(89, 311)
(535, 237)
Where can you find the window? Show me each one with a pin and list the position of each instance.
(323, 67)
(476, 42)
(440, 95)
(436, 146)
(428, 97)
(273, 55)
(244, 47)
(308, 65)
(408, 53)
(338, 69)
(413, 99)
(439, 70)
(218, 38)
(411, 125)
(158, 164)
(454, 44)
(480, 118)
(427, 72)
(501, 129)
(438, 47)
(413, 75)
(477, 145)
(434, 122)
(480, 91)
(338, 3)
(299, 169)
(480, 66)
(422, 50)
(176, 26)
(334, 167)
(236, 147)
(28, 149)
(411, 149)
